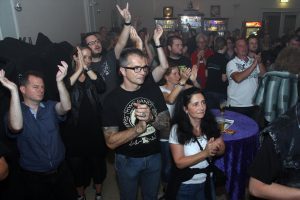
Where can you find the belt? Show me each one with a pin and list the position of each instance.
(47, 173)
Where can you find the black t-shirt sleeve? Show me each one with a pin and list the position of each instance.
(224, 64)
(266, 165)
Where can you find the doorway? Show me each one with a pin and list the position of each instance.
(279, 23)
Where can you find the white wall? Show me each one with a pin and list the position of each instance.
(60, 20)
(64, 20)
(8, 26)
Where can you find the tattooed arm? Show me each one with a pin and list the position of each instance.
(162, 121)
(115, 138)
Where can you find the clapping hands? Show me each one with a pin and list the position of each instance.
(213, 146)
(62, 71)
(7, 83)
(158, 31)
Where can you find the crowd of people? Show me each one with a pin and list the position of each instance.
(148, 98)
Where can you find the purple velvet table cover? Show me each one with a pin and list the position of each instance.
(241, 148)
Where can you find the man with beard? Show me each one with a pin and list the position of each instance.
(106, 64)
(176, 58)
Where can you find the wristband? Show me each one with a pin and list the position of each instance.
(127, 24)
(158, 46)
(87, 69)
(181, 84)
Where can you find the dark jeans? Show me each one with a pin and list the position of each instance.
(143, 171)
(56, 185)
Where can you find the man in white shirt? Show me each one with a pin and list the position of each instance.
(242, 73)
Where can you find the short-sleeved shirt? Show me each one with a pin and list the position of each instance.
(39, 142)
(119, 111)
(191, 148)
(266, 165)
(182, 61)
(108, 70)
(241, 94)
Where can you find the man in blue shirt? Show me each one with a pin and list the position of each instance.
(35, 125)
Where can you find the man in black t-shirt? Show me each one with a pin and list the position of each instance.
(176, 58)
(275, 172)
(106, 64)
(132, 115)
(216, 83)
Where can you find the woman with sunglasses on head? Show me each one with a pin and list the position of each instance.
(194, 140)
(83, 135)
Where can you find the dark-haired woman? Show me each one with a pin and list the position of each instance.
(193, 122)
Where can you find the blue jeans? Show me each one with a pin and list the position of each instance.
(191, 192)
(166, 161)
(131, 171)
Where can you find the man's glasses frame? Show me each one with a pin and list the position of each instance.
(138, 69)
(91, 43)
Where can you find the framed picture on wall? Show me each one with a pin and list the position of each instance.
(215, 11)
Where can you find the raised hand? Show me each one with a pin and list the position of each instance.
(125, 13)
(185, 74)
(134, 36)
(7, 83)
(200, 54)
(81, 62)
(194, 72)
(62, 71)
(158, 31)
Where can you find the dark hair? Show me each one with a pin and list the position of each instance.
(231, 39)
(220, 43)
(294, 37)
(23, 78)
(172, 38)
(208, 124)
(252, 36)
(123, 60)
(84, 36)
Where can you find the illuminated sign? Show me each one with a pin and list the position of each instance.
(253, 24)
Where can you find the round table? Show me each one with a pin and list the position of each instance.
(241, 148)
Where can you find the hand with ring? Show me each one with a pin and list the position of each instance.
(142, 112)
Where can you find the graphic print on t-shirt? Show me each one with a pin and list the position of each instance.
(105, 70)
(129, 120)
(242, 67)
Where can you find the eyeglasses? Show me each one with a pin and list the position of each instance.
(138, 69)
(93, 42)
